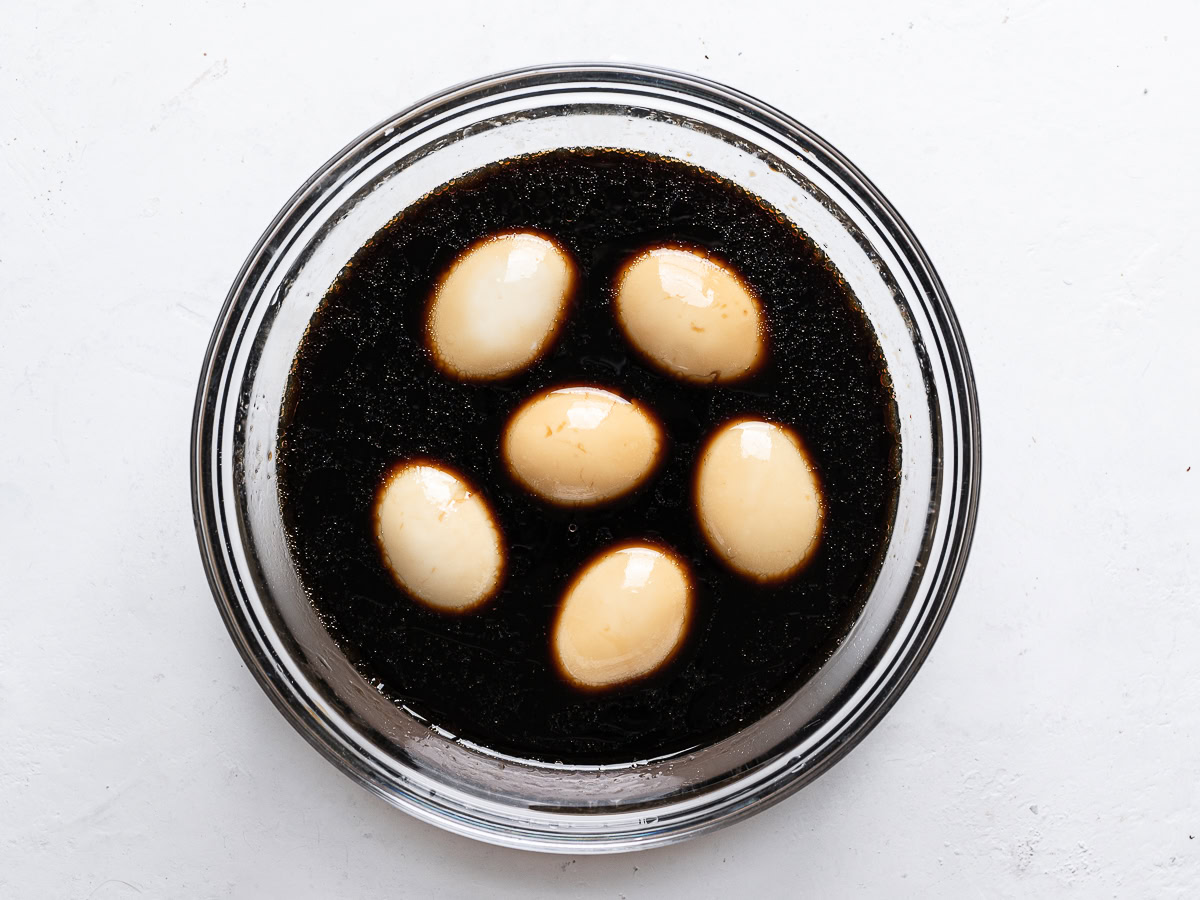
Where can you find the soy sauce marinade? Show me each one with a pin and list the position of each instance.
(365, 394)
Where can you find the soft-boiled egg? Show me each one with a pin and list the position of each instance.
(438, 537)
(758, 499)
(499, 305)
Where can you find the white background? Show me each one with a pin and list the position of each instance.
(1045, 153)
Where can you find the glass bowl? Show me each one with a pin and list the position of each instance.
(469, 789)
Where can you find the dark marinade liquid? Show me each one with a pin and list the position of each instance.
(365, 393)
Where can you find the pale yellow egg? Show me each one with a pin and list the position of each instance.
(581, 445)
(690, 315)
(622, 617)
(758, 499)
(438, 537)
(499, 305)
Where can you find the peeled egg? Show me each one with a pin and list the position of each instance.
(581, 445)
(758, 499)
(438, 537)
(499, 305)
(622, 617)
(690, 315)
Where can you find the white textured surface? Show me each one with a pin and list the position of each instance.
(1046, 154)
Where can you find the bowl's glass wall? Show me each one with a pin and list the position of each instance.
(470, 789)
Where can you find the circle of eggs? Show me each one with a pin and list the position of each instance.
(497, 309)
